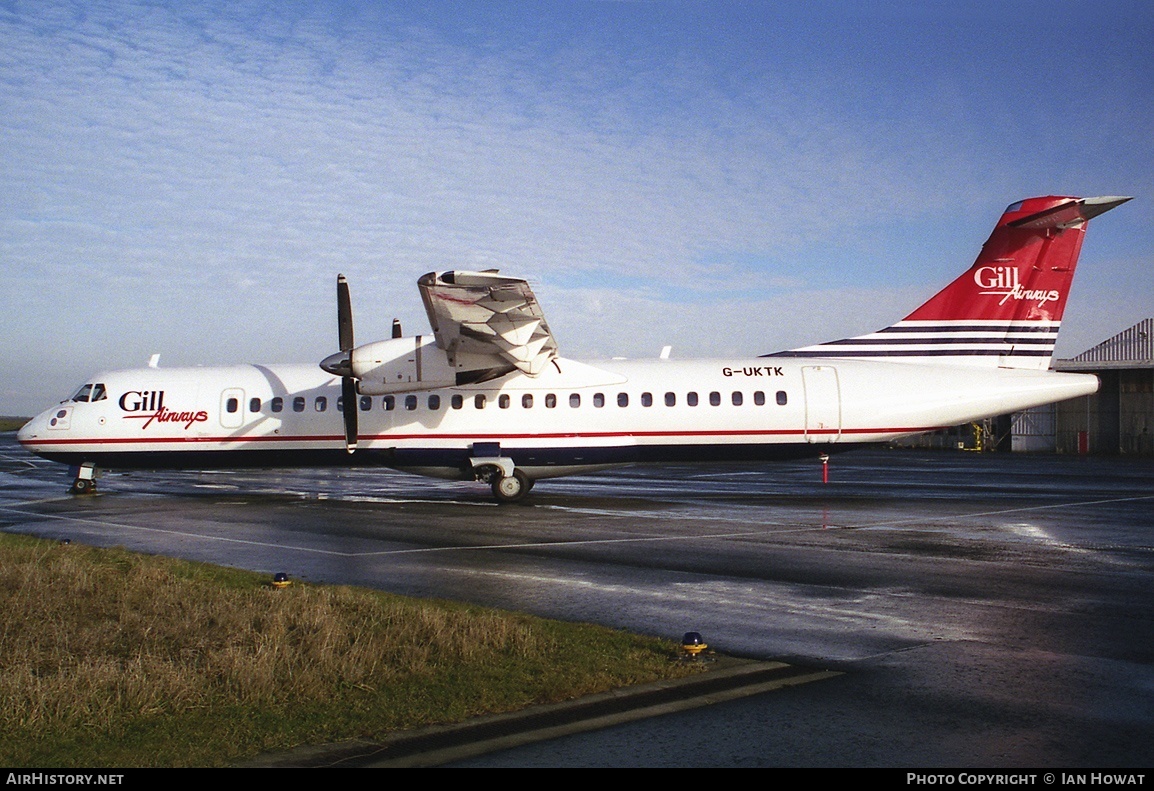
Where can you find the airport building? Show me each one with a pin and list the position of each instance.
(1118, 419)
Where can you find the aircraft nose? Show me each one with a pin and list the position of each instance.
(26, 431)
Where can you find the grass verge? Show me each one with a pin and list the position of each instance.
(111, 658)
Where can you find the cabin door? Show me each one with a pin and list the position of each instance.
(232, 408)
(822, 403)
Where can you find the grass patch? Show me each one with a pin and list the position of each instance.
(111, 658)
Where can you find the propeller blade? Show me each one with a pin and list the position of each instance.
(344, 315)
(341, 363)
(351, 407)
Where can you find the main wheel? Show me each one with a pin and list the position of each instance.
(510, 489)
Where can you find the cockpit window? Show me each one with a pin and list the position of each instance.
(90, 392)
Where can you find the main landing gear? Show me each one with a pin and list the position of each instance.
(508, 483)
(511, 488)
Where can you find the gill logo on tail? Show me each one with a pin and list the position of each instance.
(1003, 280)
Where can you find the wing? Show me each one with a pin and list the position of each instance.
(484, 313)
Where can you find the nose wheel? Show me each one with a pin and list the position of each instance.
(511, 488)
(83, 486)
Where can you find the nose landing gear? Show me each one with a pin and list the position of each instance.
(83, 479)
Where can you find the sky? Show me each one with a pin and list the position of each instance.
(732, 178)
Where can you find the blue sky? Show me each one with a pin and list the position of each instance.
(188, 178)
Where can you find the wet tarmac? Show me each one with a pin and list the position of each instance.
(986, 610)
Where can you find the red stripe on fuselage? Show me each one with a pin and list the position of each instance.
(479, 436)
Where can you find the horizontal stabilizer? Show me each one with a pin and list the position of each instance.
(1069, 214)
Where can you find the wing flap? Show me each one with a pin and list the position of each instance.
(485, 313)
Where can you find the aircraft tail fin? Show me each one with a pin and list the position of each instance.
(1005, 310)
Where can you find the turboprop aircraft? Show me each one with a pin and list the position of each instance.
(488, 397)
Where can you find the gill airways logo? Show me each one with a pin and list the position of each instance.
(148, 405)
(1003, 281)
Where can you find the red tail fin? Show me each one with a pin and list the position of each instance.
(1006, 309)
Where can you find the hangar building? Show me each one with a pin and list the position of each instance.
(1119, 418)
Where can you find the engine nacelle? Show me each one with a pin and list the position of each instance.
(399, 365)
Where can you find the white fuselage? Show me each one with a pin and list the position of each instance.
(572, 417)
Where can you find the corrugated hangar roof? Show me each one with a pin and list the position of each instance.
(1132, 348)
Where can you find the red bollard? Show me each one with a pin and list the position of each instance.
(824, 468)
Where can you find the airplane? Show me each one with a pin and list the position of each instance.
(488, 397)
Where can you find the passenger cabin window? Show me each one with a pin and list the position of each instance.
(598, 400)
(366, 403)
(550, 401)
(715, 398)
(527, 401)
(759, 398)
(340, 403)
(503, 401)
(410, 402)
(671, 399)
(321, 404)
(254, 405)
(622, 399)
(737, 398)
(691, 399)
(479, 401)
(457, 401)
(299, 404)
(389, 403)
(781, 399)
(574, 400)
(277, 404)
(647, 399)
(231, 405)
(434, 402)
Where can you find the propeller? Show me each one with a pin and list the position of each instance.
(341, 363)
